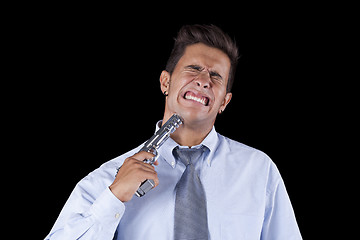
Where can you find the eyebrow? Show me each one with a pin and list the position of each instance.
(195, 67)
(199, 68)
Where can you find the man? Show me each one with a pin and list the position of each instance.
(244, 194)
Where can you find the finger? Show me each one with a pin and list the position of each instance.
(142, 155)
(146, 166)
(156, 181)
(152, 176)
(132, 165)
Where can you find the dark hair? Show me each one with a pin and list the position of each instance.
(211, 36)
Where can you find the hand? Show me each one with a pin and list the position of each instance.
(131, 174)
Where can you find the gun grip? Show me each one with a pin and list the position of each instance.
(145, 186)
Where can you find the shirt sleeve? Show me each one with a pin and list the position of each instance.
(84, 217)
(279, 221)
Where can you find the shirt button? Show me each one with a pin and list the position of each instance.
(172, 163)
(117, 215)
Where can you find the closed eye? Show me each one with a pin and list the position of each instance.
(215, 75)
(194, 67)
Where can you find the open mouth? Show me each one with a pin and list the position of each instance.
(197, 98)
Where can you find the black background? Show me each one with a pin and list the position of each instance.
(85, 89)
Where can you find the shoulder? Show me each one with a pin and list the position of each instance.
(113, 164)
(248, 160)
(239, 149)
(119, 160)
(241, 154)
(105, 174)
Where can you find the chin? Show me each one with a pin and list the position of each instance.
(195, 116)
(192, 113)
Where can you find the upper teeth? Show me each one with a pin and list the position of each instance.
(200, 100)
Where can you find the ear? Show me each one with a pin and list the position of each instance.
(225, 102)
(164, 81)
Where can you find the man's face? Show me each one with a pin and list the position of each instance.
(197, 87)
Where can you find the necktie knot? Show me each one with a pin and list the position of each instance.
(188, 155)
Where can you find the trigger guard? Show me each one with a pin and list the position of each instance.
(153, 159)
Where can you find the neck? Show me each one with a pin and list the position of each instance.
(190, 134)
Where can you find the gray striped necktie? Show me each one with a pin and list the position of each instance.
(190, 204)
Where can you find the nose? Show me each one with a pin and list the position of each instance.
(203, 80)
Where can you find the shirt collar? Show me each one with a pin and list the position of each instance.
(210, 141)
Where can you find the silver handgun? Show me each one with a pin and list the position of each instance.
(153, 144)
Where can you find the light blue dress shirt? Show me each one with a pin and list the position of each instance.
(246, 198)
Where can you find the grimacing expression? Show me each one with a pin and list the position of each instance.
(197, 87)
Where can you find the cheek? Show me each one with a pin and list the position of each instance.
(174, 89)
(177, 83)
(219, 96)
